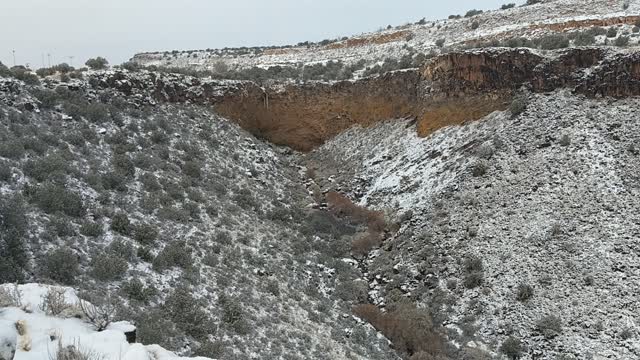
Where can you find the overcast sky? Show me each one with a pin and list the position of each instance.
(117, 29)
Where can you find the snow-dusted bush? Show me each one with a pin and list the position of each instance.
(53, 198)
(554, 41)
(54, 302)
(13, 226)
(512, 348)
(175, 253)
(518, 105)
(120, 223)
(97, 63)
(61, 265)
(473, 272)
(107, 266)
(550, 326)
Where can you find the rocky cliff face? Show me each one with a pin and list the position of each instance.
(450, 89)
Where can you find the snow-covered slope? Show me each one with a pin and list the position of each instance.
(546, 203)
(42, 335)
(532, 21)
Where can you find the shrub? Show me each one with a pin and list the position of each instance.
(475, 25)
(192, 169)
(50, 166)
(12, 149)
(612, 32)
(61, 265)
(108, 267)
(13, 227)
(187, 313)
(61, 227)
(154, 327)
(410, 329)
(550, 326)
(91, 229)
(342, 206)
(473, 272)
(622, 41)
(518, 105)
(440, 42)
(52, 198)
(507, 6)
(120, 223)
(472, 12)
(512, 348)
(114, 181)
(554, 41)
(136, 290)
(97, 63)
(122, 164)
(525, 292)
(145, 233)
(54, 302)
(5, 171)
(532, 2)
(175, 253)
(479, 168)
(584, 38)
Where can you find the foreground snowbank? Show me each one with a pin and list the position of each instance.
(26, 329)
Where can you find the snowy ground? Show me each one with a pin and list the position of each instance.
(500, 24)
(556, 210)
(43, 334)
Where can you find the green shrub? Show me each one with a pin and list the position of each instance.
(154, 327)
(120, 223)
(550, 326)
(136, 290)
(175, 253)
(91, 229)
(612, 32)
(108, 267)
(524, 293)
(61, 226)
(621, 41)
(145, 233)
(5, 171)
(518, 105)
(122, 164)
(52, 198)
(97, 63)
(61, 265)
(473, 12)
(46, 168)
(13, 230)
(475, 25)
(114, 181)
(188, 314)
(584, 38)
(512, 348)
(507, 6)
(473, 272)
(12, 149)
(192, 169)
(554, 41)
(440, 42)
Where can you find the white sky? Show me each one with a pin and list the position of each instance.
(117, 29)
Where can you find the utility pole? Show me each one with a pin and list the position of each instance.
(14, 57)
(49, 56)
(42, 59)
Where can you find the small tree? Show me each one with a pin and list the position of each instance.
(440, 43)
(98, 63)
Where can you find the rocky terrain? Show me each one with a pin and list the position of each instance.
(534, 22)
(478, 203)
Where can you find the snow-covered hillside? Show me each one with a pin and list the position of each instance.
(518, 227)
(35, 333)
(530, 21)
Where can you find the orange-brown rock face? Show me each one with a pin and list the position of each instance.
(448, 90)
(303, 117)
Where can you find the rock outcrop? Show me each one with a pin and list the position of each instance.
(449, 89)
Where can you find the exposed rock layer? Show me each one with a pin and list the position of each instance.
(449, 89)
